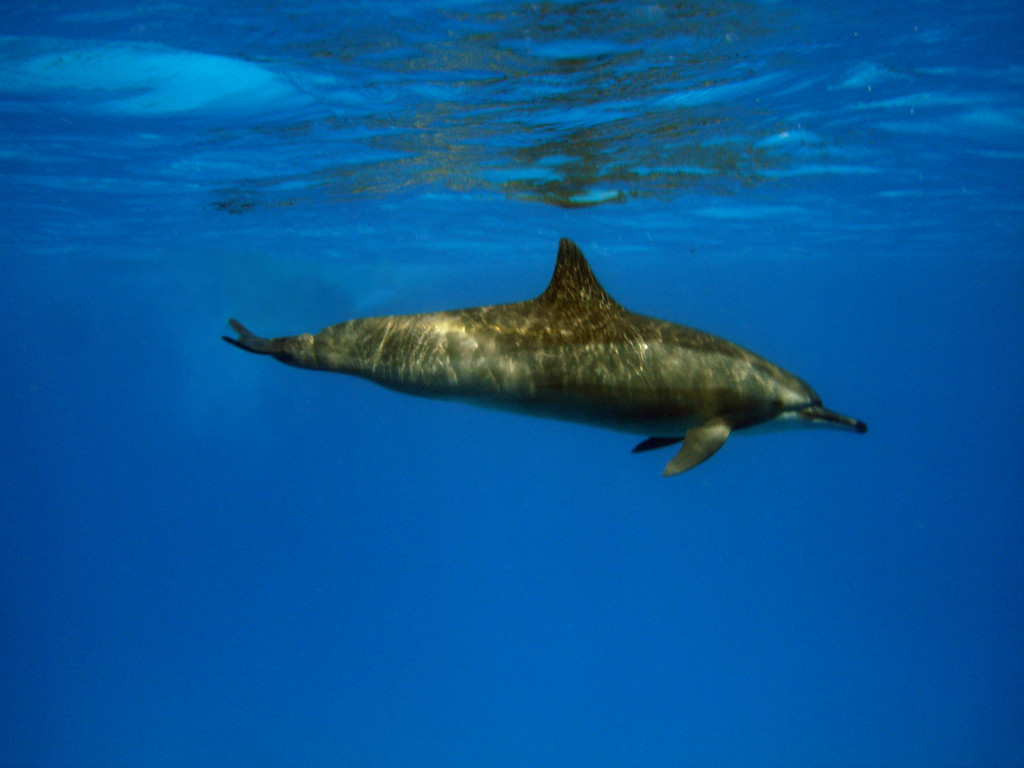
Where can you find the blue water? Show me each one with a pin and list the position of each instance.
(211, 559)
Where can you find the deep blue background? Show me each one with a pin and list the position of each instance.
(211, 559)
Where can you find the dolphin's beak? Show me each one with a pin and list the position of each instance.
(822, 415)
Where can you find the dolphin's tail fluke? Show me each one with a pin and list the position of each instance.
(822, 415)
(250, 342)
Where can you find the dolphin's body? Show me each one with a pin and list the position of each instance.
(571, 353)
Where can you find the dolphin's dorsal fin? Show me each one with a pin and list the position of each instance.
(573, 281)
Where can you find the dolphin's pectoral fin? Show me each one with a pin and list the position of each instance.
(652, 443)
(700, 443)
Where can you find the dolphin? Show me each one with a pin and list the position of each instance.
(572, 353)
